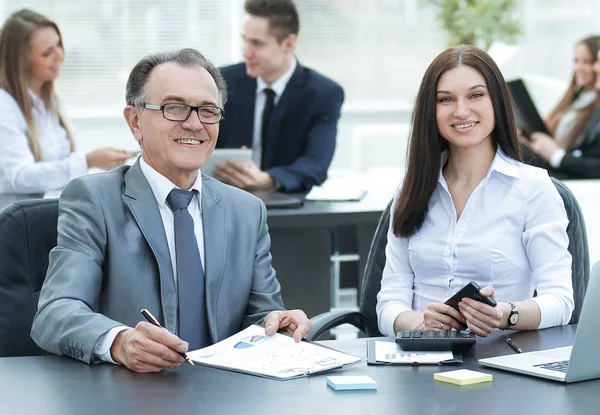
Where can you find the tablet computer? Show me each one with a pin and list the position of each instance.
(526, 114)
(221, 155)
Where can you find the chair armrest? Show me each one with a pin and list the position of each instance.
(326, 321)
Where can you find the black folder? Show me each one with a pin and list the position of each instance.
(526, 114)
(278, 200)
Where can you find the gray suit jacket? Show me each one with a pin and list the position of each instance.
(112, 260)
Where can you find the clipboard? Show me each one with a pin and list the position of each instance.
(526, 114)
(372, 357)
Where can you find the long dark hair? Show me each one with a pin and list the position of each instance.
(426, 144)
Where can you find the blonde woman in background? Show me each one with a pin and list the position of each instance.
(37, 152)
(568, 120)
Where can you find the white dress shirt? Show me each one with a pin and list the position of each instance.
(259, 106)
(161, 187)
(511, 235)
(19, 172)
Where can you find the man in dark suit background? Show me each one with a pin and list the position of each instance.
(286, 112)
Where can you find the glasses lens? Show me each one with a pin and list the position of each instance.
(176, 112)
(209, 114)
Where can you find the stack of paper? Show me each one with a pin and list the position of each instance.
(340, 186)
(345, 383)
(463, 377)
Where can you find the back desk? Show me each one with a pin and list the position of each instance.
(301, 244)
(58, 385)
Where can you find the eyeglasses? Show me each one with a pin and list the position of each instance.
(207, 114)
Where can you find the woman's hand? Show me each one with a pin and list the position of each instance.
(438, 316)
(522, 138)
(543, 145)
(481, 318)
(108, 158)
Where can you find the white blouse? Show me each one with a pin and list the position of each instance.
(19, 173)
(511, 235)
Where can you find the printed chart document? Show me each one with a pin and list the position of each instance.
(388, 352)
(275, 357)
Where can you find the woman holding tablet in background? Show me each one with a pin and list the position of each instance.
(36, 147)
(468, 209)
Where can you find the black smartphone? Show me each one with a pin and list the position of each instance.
(471, 290)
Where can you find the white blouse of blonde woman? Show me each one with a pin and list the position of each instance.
(490, 219)
(19, 172)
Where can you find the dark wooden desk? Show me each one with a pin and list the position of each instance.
(58, 385)
(301, 245)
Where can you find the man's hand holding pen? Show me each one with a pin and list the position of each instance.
(148, 348)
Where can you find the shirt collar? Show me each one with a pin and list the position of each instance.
(161, 186)
(502, 163)
(37, 101)
(279, 85)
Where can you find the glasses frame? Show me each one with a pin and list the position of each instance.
(191, 108)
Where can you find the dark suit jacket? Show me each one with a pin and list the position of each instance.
(587, 165)
(302, 130)
(112, 260)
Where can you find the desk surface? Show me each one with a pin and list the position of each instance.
(59, 385)
(367, 210)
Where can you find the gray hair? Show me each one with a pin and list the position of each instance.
(137, 88)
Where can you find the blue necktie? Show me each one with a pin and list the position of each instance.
(190, 276)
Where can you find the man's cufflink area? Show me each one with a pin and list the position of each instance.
(73, 349)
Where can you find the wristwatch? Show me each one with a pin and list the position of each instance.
(513, 317)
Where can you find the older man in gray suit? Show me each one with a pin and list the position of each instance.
(125, 242)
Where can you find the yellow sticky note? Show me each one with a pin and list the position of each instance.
(463, 377)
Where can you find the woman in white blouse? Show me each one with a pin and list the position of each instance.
(36, 148)
(469, 210)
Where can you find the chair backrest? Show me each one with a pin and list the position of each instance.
(27, 234)
(578, 247)
(371, 282)
(580, 267)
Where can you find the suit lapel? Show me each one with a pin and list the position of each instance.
(140, 200)
(214, 221)
(593, 132)
(247, 103)
(289, 97)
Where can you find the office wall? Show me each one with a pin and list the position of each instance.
(96, 132)
(376, 49)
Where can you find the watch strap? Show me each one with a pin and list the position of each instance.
(513, 311)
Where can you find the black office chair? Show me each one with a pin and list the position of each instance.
(578, 247)
(27, 234)
(365, 319)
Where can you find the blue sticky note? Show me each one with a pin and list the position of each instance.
(345, 383)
